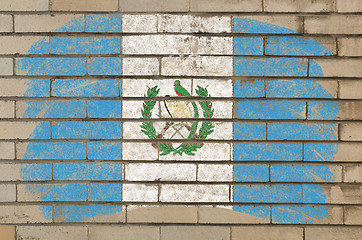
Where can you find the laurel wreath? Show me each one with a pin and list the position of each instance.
(188, 148)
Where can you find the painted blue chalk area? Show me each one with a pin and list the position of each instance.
(250, 89)
(296, 89)
(105, 66)
(105, 192)
(85, 45)
(104, 151)
(295, 46)
(87, 171)
(320, 151)
(248, 45)
(281, 66)
(55, 109)
(87, 130)
(55, 150)
(59, 192)
(52, 66)
(259, 211)
(301, 173)
(40, 47)
(42, 131)
(302, 131)
(278, 193)
(104, 109)
(104, 23)
(83, 213)
(245, 25)
(251, 173)
(36, 172)
(268, 152)
(313, 193)
(37, 88)
(85, 88)
(323, 110)
(75, 25)
(270, 109)
(298, 214)
(249, 131)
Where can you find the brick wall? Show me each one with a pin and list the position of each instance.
(94, 143)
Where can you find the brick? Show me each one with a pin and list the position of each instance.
(51, 66)
(162, 214)
(89, 213)
(84, 5)
(140, 192)
(6, 23)
(254, 66)
(248, 45)
(7, 150)
(18, 5)
(49, 23)
(302, 131)
(305, 173)
(105, 192)
(104, 23)
(350, 46)
(51, 192)
(333, 233)
(7, 109)
(352, 215)
(51, 150)
(7, 232)
(216, 88)
(267, 233)
(28, 172)
(266, 193)
(299, 6)
(267, 152)
(249, 88)
(25, 214)
(351, 132)
(24, 45)
(349, 6)
(85, 88)
(125, 232)
(104, 151)
(85, 45)
(50, 109)
(105, 66)
(270, 109)
(350, 89)
(24, 130)
(24, 88)
(52, 232)
(301, 89)
(160, 172)
(139, 23)
(337, 24)
(353, 173)
(342, 152)
(214, 173)
(6, 66)
(225, 6)
(7, 193)
(195, 232)
(268, 24)
(222, 215)
(193, 24)
(335, 68)
(154, 6)
(104, 109)
(87, 171)
(342, 194)
(307, 215)
(141, 66)
(87, 130)
(250, 173)
(197, 66)
(194, 193)
(139, 151)
(328, 110)
(300, 46)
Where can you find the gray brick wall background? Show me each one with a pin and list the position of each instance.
(74, 163)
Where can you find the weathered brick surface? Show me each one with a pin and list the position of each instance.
(350, 90)
(52, 232)
(162, 214)
(7, 109)
(351, 132)
(18, 5)
(6, 66)
(353, 215)
(23, 214)
(333, 233)
(6, 23)
(299, 6)
(48, 23)
(154, 6)
(353, 173)
(226, 6)
(7, 193)
(267, 233)
(194, 233)
(84, 5)
(349, 6)
(125, 232)
(7, 232)
(350, 47)
(333, 24)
